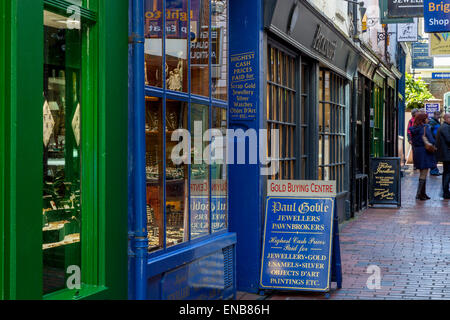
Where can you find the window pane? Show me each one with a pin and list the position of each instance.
(219, 187)
(327, 95)
(153, 33)
(176, 45)
(326, 149)
(327, 118)
(320, 150)
(219, 48)
(199, 173)
(177, 217)
(154, 162)
(62, 151)
(200, 47)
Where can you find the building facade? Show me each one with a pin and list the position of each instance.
(138, 177)
(63, 149)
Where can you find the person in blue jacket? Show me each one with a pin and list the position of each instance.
(423, 160)
(435, 123)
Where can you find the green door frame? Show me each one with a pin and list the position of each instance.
(377, 147)
(104, 143)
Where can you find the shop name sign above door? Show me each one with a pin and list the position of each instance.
(323, 45)
(436, 16)
(405, 8)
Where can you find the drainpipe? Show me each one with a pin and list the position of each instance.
(140, 243)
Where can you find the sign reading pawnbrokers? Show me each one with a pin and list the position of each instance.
(405, 8)
(385, 184)
(298, 233)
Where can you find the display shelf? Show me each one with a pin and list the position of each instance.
(69, 239)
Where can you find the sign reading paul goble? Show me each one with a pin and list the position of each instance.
(405, 8)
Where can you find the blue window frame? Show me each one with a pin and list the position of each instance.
(186, 85)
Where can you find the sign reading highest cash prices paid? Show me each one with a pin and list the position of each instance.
(297, 246)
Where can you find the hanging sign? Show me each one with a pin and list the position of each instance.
(385, 184)
(405, 8)
(421, 56)
(440, 44)
(299, 245)
(407, 32)
(384, 19)
(431, 108)
(440, 75)
(437, 16)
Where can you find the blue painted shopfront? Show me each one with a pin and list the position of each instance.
(180, 244)
(195, 231)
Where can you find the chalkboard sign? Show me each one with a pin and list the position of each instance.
(385, 184)
(297, 247)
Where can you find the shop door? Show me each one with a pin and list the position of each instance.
(377, 118)
(65, 233)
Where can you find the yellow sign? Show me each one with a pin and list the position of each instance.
(439, 44)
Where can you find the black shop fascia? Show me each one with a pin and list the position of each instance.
(308, 30)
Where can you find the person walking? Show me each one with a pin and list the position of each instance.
(443, 153)
(411, 123)
(421, 138)
(435, 123)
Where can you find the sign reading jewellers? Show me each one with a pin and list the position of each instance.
(298, 231)
(305, 28)
(323, 45)
(385, 183)
(405, 8)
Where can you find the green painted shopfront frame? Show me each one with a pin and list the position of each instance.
(104, 143)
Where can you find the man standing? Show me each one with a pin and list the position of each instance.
(443, 153)
(435, 123)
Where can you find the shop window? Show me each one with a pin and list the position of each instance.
(219, 49)
(189, 200)
(332, 130)
(200, 41)
(200, 34)
(219, 174)
(62, 110)
(287, 105)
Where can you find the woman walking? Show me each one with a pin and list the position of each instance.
(423, 145)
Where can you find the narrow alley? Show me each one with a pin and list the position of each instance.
(410, 245)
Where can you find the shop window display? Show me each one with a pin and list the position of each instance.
(62, 109)
(189, 200)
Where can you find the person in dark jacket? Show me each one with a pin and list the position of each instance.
(443, 153)
(435, 123)
(423, 160)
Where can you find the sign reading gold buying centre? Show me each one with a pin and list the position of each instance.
(298, 235)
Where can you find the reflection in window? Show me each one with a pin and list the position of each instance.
(219, 48)
(176, 193)
(200, 47)
(177, 210)
(199, 173)
(176, 45)
(153, 23)
(62, 151)
(219, 187)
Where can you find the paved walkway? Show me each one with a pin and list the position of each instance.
(410, 245)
